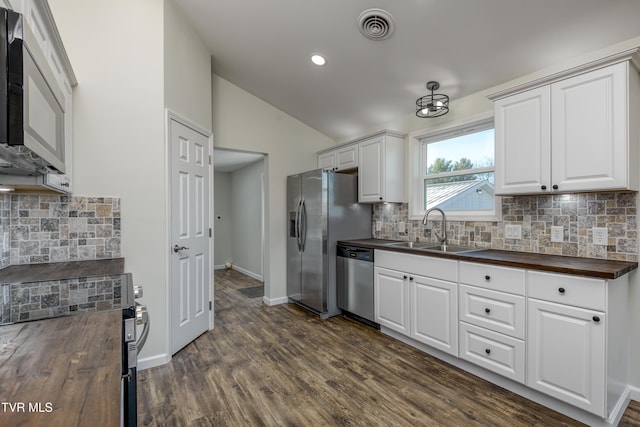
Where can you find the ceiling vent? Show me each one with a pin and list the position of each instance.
(375, 24)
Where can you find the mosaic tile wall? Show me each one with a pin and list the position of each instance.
(577, 213)
(53, 228)
(37, 300)
(4, 229)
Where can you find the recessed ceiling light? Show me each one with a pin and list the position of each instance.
(318, 59)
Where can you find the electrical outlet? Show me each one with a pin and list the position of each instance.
(557, 234)
(512, 231)
(401, 227)
(378, 225)
(600, 236)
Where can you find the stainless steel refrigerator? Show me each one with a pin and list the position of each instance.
(322, 208)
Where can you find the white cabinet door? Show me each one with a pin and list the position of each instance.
(577, 134)
(522, 138)
(347, 157)
(434, 313)
(327, 160)
(566, 354)
(371, 171)
(589, 133)
(391, 295)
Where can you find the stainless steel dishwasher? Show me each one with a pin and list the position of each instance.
(354, 281)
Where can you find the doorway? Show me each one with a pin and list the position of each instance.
(239, 211)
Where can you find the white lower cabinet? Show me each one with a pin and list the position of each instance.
(407, 301)
(566, 354)
(492, 318)
(391, 296)
(493, 351)
(563, 335)
(434, 313)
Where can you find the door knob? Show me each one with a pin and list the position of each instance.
(177, 248)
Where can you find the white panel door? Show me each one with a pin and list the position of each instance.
(391, 299)
(190, 269)
(371, 170)
(589, 130)
(566, 354)
(522, 137)
(434, 313)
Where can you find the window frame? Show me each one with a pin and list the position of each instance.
(417, 167)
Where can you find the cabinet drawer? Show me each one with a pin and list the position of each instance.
(437, 268)
(570, 290)
(497, 311)
(496, 352)
(502, 279)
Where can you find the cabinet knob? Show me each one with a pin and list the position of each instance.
(411, 278)
(487, 277)
(561, 290)
(380, 198)
(404, 277)
(543, 187)
(596, 318)
(488, 351)
(555, 186)
(487, 310)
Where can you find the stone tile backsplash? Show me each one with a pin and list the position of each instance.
(4, 230)
(576, 213)
(37, 228)
(39, 300)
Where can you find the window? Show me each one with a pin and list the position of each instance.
(456, 172)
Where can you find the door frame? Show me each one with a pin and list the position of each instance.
(171, 115)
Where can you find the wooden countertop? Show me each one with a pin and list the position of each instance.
(591, 267)
(67, 367)
(61, 270)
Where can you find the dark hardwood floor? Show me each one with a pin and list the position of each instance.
(282, 366)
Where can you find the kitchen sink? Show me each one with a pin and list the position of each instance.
(415, 245)
(450, 248)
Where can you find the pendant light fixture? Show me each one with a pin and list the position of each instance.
(434, 105)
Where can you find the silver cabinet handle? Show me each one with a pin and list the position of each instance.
(177, 248)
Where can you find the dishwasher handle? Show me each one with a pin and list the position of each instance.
(361, 254)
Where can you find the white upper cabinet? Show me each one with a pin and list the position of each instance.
(575, 133)
(381, 169)
(379, 161)
(523, 142)
(338, 159)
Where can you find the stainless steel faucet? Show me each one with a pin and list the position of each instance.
(442, 239)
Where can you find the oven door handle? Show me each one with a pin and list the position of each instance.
(142, 319)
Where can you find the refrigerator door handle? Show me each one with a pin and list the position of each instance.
(303, 217)
(297, 226)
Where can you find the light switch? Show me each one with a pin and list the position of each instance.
(378, 225)
(401, 227)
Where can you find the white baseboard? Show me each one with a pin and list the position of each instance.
(634, 393)
(275, 301)
(247, 272)
(153, 361)
(219, 267)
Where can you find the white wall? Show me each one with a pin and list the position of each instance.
(118, 50)
(187, 68)
(246, 200)
(243, 122)
(223, 219)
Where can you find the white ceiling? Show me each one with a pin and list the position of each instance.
(229, 160)
(467, 45)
